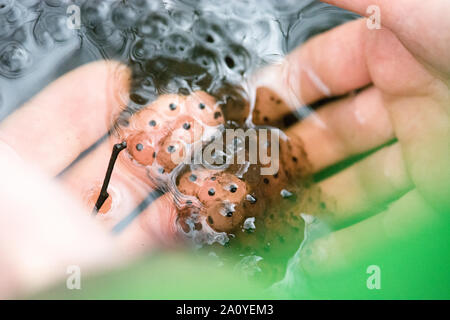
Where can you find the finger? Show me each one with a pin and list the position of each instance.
(354, 193)
(356, 245)
(390, 9)
(153, 136)
(415, 22)
(68, 116)
(159, 221)
(150, 225)
(330, 64)
(418, 106)
(41, 224)
(344, 128)
(142, 222)
(422, 127)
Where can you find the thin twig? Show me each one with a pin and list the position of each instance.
(104, 191)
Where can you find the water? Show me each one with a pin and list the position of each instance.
(179, 47)
(36, 46)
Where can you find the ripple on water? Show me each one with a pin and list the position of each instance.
(14, 60)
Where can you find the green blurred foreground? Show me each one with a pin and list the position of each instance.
(414, 269)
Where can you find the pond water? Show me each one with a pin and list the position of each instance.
(172, 47)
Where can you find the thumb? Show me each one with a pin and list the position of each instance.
(42, 231)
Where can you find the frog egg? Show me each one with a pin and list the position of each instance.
(141, 148)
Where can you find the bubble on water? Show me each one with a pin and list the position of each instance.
(183, 19)
(95, 13)
(147, 5)
(250, 198)
(195, 4)
(104, 32)
(237, 59)
(154, 25)
(15, 14)
(208, 31)
(5, 28)
(249, 224)
(178, 44)
(54, 3)
(286, 194)
(260, 29)
(12, 16)
(124, 16)
(5, 6)
(20, 35)
(245, 9)
(57, 27)
(144, 49)
(42, 36)
(14, 59)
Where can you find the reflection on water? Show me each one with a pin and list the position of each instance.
(36, 46)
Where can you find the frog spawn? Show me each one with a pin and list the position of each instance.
(160, 137)
(257, 215)
(221, 197)
(231, 205)
(212, 204)
(228, 200)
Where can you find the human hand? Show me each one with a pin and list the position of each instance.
(344, 59)
(402, 74)
(47, 228)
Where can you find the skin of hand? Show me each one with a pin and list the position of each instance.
(43, 231)
(402, 74)
(40, 217)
